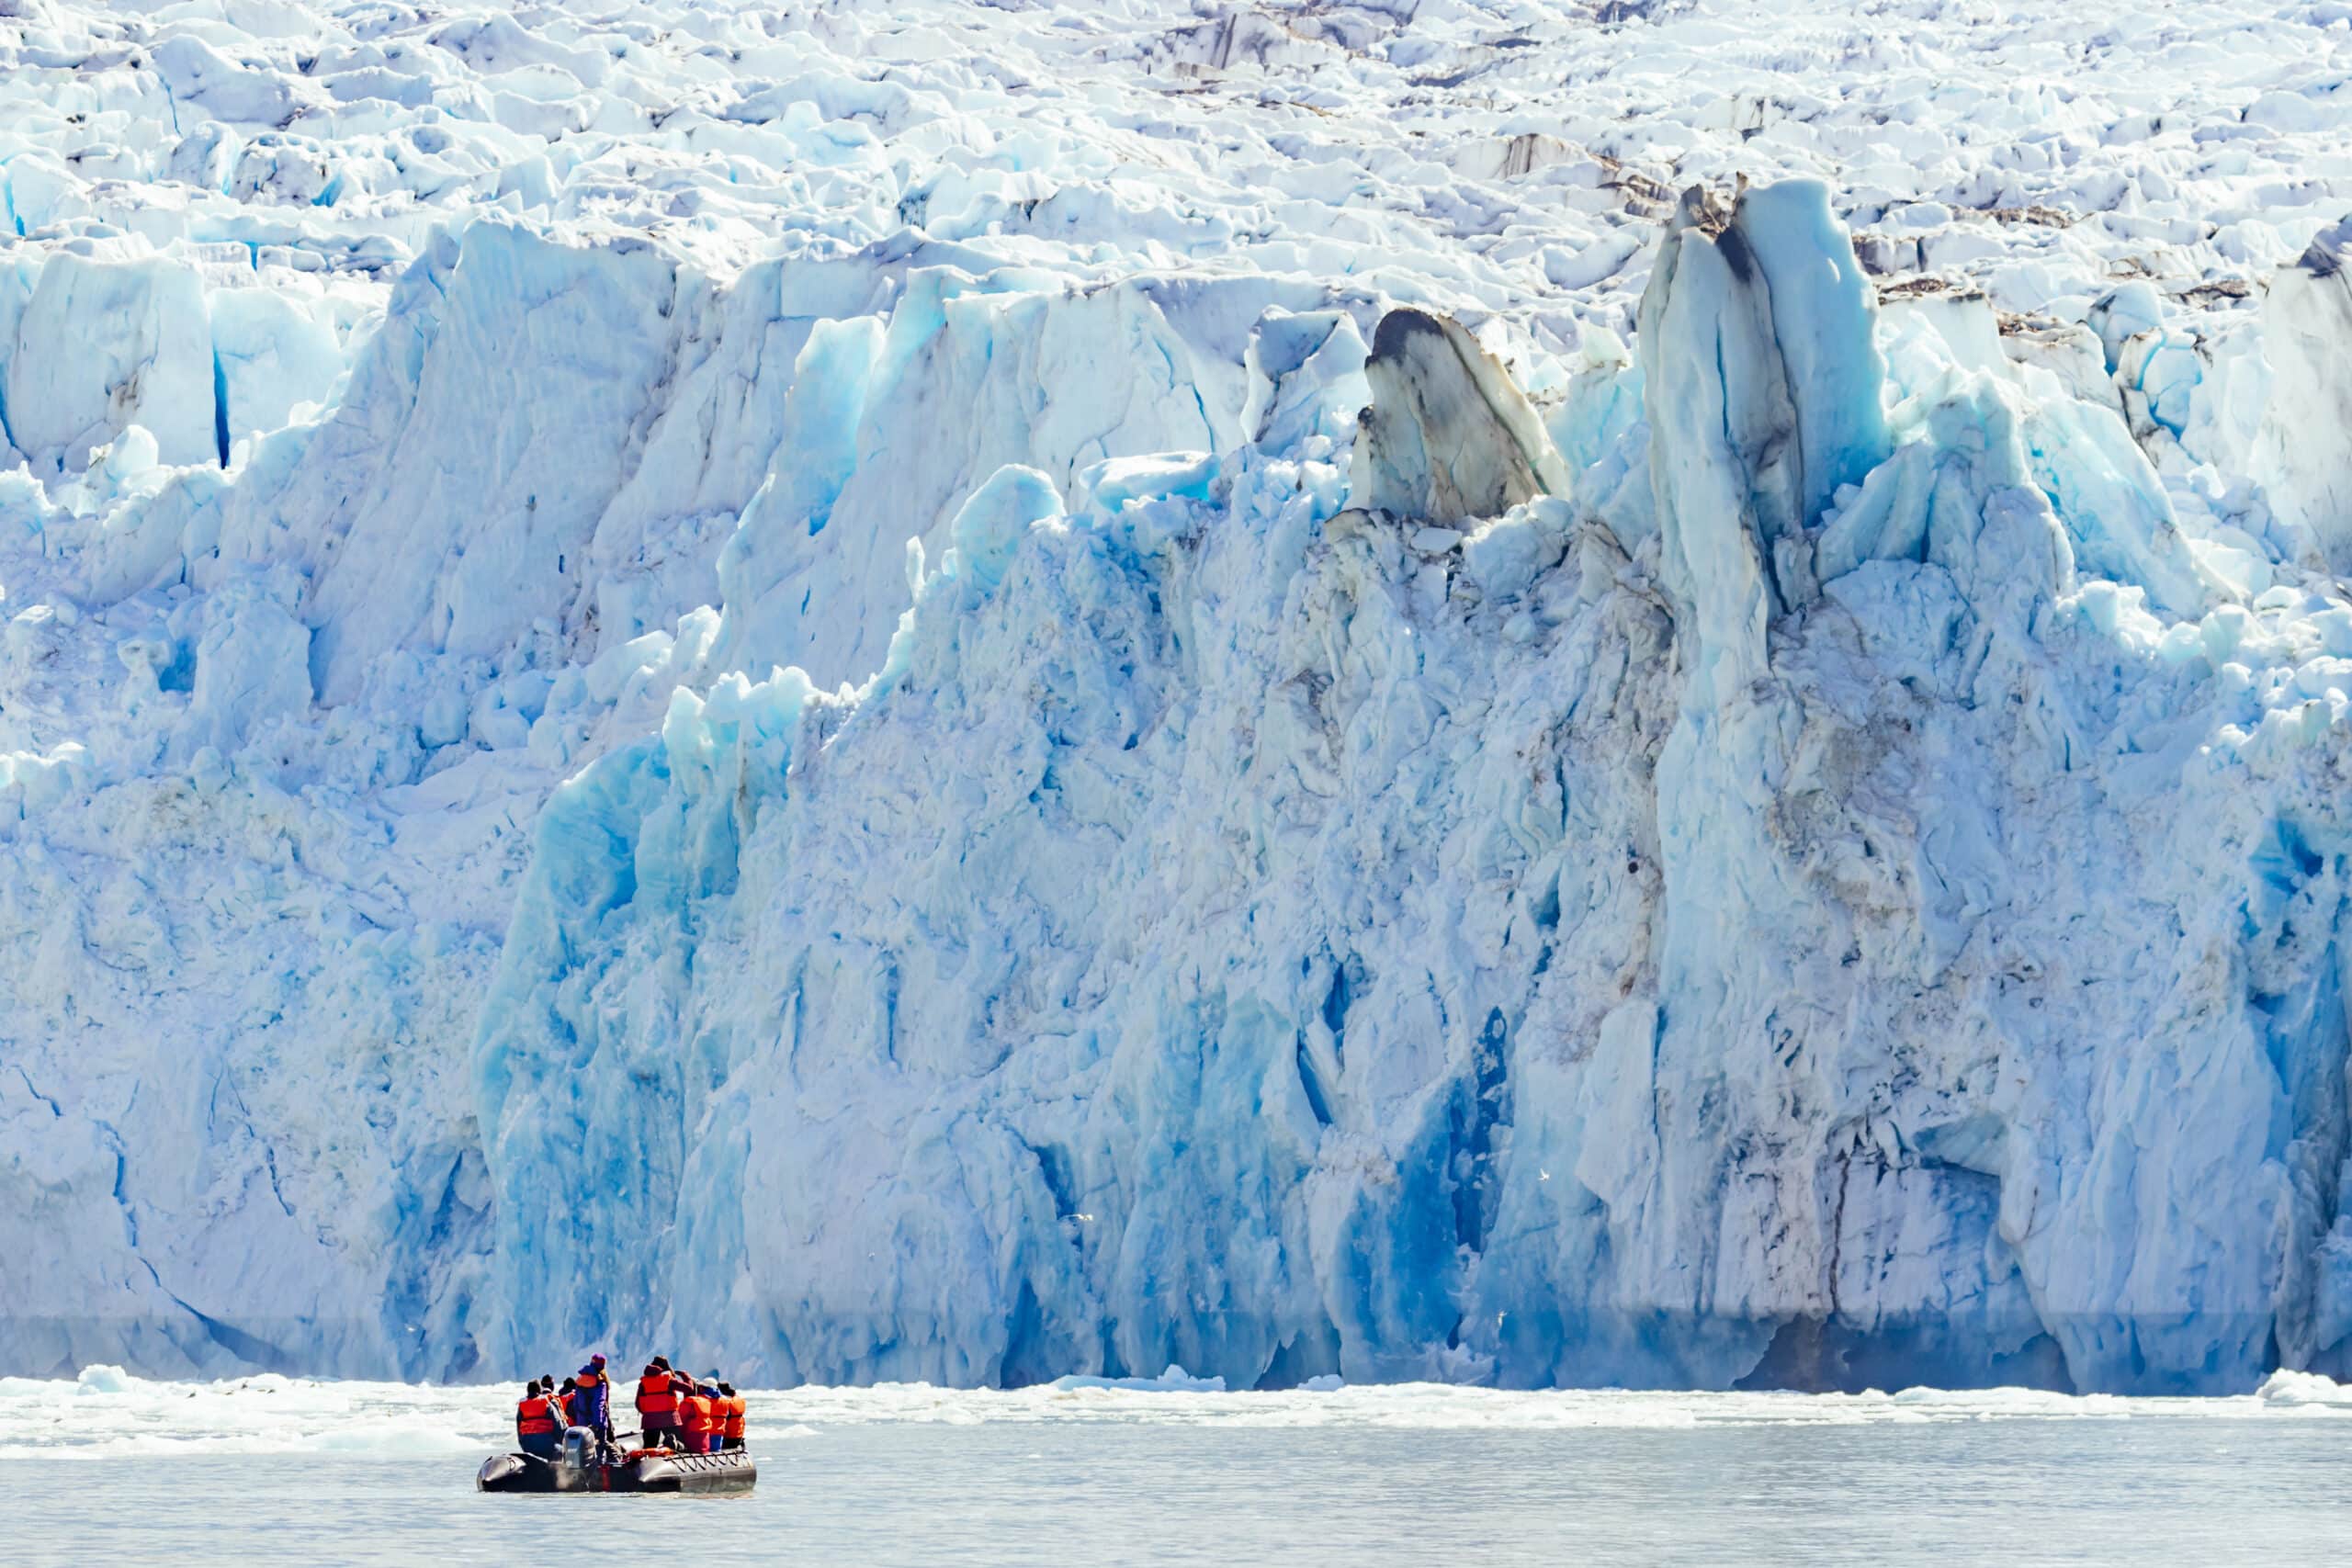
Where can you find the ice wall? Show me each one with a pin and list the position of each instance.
(1361, 948)
(663, 686)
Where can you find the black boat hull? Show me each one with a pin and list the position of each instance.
(646, 1470)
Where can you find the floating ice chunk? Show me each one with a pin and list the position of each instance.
(100, 1377)
(1175, 1380)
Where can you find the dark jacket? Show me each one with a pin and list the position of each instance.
(592, 1401)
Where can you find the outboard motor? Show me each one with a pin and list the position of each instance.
(579, 1449)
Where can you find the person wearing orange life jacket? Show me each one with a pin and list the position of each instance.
(731, 1434)
(657, 1405)
(538, 1427)
(717, 1438)
(696, 1415)
(682, 1385)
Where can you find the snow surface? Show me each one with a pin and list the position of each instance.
(923, 691)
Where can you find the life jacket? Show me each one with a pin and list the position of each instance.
(535, 1418)
(734, 1408)
(697, 1414)
(657, 1401)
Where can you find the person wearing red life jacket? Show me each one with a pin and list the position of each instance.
(657, 1405)
(538, 1427)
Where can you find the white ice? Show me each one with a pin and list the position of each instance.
(931, 693)
(104, 1415)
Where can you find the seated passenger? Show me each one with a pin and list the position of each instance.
(537, 1427)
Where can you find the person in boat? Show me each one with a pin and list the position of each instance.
(707, 1397)
(592, 1402)
(538, 1428)
(717, 1438)
(696, 1416)
(732, 1410)
(656, 1404)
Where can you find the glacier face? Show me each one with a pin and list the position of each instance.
(922, 692)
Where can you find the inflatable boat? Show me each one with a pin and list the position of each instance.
(580, 1468)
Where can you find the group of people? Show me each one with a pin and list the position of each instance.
(705, 1417)
(676, 1412)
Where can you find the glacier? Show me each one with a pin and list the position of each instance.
(1473, 691)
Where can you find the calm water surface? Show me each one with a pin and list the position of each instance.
(1086, 1476)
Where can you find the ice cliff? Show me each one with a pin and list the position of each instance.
(919, 693)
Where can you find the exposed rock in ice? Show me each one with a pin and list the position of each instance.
(1447, 435)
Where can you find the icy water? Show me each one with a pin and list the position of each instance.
(271, 1471)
